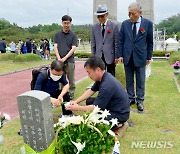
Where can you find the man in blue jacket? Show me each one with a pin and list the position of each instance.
(51, 84)
(135, 51)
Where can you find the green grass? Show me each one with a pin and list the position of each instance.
(10, 66)
(161, 107)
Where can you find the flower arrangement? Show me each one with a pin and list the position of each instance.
(176, 65)
(108, 31)
(89, 133)
(167, 54)
(3, 117)
(142, 30)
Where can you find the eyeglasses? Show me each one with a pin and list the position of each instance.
(132, 13)
(101, 16)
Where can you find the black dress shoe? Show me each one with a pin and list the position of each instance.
(132, 102)
(140, 106)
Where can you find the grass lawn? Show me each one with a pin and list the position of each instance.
(161, 121)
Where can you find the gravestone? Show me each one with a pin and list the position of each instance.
(36, 119)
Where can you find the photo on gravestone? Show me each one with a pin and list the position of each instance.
(36, 119)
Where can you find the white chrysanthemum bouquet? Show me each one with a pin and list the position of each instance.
(89, 133)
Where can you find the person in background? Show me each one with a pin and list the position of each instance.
(135, 51)
(3, 46)
(12, 46)
(46, 49)
(28, 45)
(65, 43)
(105, 38)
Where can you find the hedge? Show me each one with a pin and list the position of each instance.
(7, 56)
(160, 53)
(26, 58)
(175, 56)
(82, 54)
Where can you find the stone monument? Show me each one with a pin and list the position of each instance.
(36, 119)
(111, 5)
(147, 9)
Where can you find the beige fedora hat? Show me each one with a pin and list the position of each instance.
(102, 9)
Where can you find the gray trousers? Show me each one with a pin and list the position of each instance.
(69, 71)
(139, 72)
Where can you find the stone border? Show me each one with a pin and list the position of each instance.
(160, 58)
(2, 74)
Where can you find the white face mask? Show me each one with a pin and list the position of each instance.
(55, 77)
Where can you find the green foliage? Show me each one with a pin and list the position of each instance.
(160, 53)
(7, 56)
(175, 56)
(171, 25)
(82, 54)
(26, 58)
(94, 142)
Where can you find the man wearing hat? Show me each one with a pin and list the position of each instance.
(105, 37)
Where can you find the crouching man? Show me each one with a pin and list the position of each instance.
(55, 76)
(111, 96)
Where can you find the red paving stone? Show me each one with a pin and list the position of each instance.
(14, 84)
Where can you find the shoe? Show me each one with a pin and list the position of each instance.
(132, 102)
(20, 132)
(140, 106)
(121, 130)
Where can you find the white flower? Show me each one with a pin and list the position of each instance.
(7, 117)
(104, 121)
(67, 104)
(111, 133)
(114, 122)
(96, 110)
(79, 146)
(75, 120)
(105, 113)
(63, 122)
(94, 118)
(57, 124)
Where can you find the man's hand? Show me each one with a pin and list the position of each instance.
(64, 59)
(73, 107)
(55, 102)
(60, 98)
(116, 61)
(121, 60)
(73, 103)
(148, 62)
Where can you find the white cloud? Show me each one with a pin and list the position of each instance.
(34, 12)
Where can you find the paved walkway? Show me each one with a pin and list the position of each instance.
(14, 84)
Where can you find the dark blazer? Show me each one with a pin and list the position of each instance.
(107, 45)
(141, 46)
(2, 46)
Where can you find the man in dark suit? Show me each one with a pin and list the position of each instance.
(111, 94)
(135, 51)
(104, 41)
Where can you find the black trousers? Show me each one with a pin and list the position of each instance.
(109, 67)
(66, 98)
